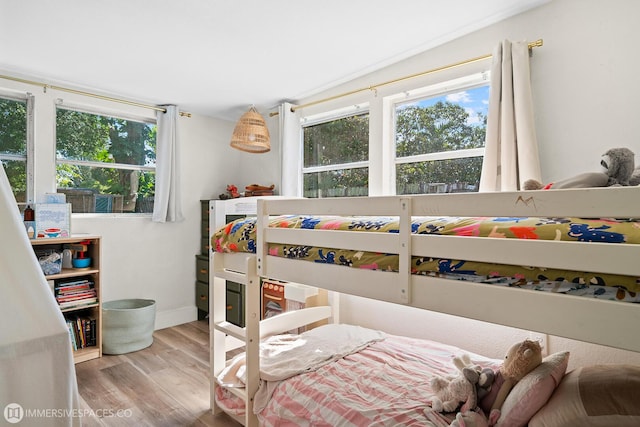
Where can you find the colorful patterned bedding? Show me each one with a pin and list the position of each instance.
(386, 383)
(239, 236)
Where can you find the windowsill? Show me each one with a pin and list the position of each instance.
(111, 215)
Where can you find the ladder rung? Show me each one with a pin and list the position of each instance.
(231, 329)
(241, 392)
(234, 276)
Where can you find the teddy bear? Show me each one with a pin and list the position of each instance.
(521, 358)
(617, 169)
(450, 392)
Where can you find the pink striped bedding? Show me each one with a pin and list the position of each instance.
(384, 384)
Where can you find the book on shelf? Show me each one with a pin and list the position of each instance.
(82, 331)
(75, 293)
(80, 284)
(78, 303)
(72, 335)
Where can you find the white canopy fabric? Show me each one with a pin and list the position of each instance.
(37, 374)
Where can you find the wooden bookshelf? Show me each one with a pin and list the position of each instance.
(91, 273)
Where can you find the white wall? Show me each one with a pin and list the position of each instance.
(140, 258)
(585, 83)
(143, 259)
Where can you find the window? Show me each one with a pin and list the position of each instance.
(104, 163)
(439, 141)
(13, 145)
(336, 154)
(427, 140)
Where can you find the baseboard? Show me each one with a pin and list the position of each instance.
(169, 318)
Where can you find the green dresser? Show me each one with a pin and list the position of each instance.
(202, 263)
(202, 285)
(220, 211)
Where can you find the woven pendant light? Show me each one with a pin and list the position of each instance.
(251, 133)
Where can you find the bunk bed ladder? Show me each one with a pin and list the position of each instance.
(249, 336)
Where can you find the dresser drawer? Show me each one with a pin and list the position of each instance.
(235, 287)
(235, 308)
(204, 246)
(202, 296)
(204, 228)
(202, 268)
(204, 209)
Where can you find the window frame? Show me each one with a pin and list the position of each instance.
(471, 81)
(99, 111)
(381, 105)
(327, 117)
(29, 156)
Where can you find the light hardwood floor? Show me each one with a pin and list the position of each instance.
(166, 384)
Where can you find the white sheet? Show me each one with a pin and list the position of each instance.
(283, 356)
(36, 361)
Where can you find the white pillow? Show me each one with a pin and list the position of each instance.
(533, 391)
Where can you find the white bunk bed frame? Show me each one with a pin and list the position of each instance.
(580, 318)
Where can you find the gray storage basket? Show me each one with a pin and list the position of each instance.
(127, 325)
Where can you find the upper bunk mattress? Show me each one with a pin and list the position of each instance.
(239, 236)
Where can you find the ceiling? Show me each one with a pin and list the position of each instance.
(218, 57)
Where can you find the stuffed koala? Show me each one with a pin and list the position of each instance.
(483, 378)
(619, 164)
(618, 167)
(635, 177)
(451, 392)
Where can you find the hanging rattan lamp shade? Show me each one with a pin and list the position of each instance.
(251, 133)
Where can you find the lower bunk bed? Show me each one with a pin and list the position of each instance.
(344, 375)
(605, 314)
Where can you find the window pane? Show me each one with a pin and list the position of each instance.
(13, 145)
(337, 183)
(444, 123)
(109, 144)
(86, 136)
(13, 127)
(336, 142)
(16, 171)
(83, 189)
(441, 176)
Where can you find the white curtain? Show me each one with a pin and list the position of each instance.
(36, 360)
(291, 151)
(511, 149)
(167, 204)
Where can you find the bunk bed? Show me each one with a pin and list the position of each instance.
(586, 318)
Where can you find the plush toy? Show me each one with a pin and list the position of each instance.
(635, 177)
(617, 168)
(521, 358)
(451, 392)
(483, 379)
(470, 419)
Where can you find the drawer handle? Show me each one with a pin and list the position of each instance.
(272, 297)
(203, 270)
(203, 297)
(229, 307)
